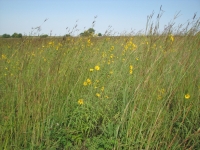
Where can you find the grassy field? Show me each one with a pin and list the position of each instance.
(126, 92)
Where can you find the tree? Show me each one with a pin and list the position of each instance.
(89, 32)
(67, 35)
(16, 35)
(85, 33)
(19, 35)
(6, 36)
(99, 34)
(43, 35)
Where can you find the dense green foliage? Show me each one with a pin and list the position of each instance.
(14, 35)
(89, 32)
(17, 35)
(99, 34)
(44, 36)
(6, 36)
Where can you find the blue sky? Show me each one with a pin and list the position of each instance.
(123, 15)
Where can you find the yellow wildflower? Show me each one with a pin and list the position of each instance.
(85, 83)
(97, 68)
(91, 70)
(111, 56)
(134, 46)
(88, 81)
(89, 43)
(102, 89)
(51, 43)
(131, 67)
(187, 96)
(98, 95)
(3, 56)
(80, 101)
(125, 47)
(171, 38)
(112, 48)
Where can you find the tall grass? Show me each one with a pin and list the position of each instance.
(132, 92)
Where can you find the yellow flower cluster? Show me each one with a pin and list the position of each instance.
(87, 82)
(130, 45)
(95, 68)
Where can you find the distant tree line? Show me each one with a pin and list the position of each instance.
(14, 35)
(86, 33)
(43, 35)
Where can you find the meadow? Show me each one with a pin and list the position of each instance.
(96, 93)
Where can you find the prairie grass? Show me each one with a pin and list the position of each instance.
(125, 92)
